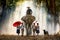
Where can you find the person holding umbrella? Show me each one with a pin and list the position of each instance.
(18, 29)
(21, 26)
(17, 24)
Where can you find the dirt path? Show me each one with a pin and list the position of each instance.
(11, 37)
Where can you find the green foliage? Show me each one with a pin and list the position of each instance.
(11, 3)
(57, 2)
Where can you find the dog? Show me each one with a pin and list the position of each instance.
(46, 32)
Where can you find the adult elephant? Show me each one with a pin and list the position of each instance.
(28, 19)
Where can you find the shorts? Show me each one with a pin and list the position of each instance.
(18, 30)
(37, 31)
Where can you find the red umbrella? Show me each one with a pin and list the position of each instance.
(17, 23)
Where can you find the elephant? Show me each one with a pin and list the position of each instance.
(28, 19)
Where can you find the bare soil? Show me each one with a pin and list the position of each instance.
(16, 37)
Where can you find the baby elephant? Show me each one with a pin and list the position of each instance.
(46, 32)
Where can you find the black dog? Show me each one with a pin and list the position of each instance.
(46, 32)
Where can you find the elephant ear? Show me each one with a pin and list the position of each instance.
(23, 18)
(32, 19)
(28, 19)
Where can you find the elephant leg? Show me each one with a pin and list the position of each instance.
(27, 29)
